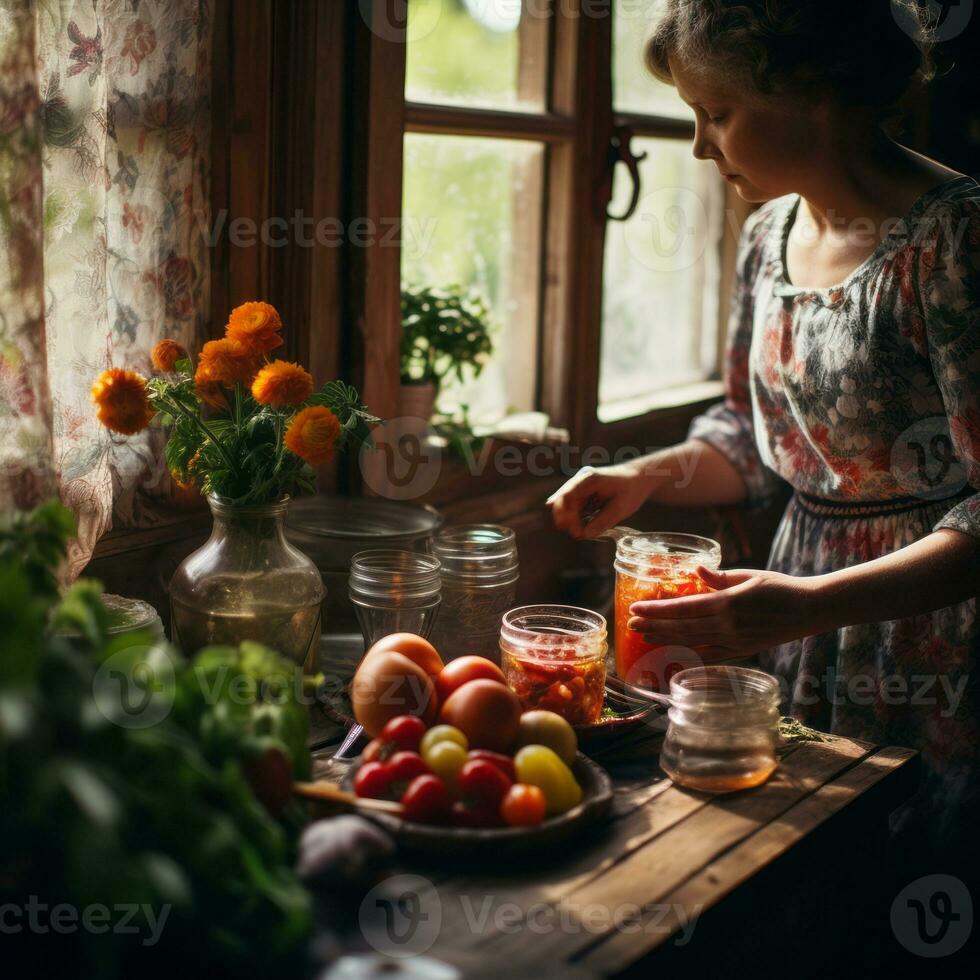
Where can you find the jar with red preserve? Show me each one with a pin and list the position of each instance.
(656, 565)
(554, 658)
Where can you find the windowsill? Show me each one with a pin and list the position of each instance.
(674, 397)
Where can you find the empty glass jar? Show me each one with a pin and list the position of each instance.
(723, 728)
(554, 658)
(479, 568)
(394, 592)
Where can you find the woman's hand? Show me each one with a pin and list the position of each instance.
(751, 611)
(614, 492)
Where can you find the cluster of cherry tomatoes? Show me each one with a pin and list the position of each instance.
(444, 734)
(439, 779)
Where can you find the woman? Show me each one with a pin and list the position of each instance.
(853, 373)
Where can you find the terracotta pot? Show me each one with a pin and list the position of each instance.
(416, 403)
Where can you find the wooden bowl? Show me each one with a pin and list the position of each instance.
(496, 845)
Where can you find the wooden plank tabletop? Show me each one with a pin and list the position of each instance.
(646, 886)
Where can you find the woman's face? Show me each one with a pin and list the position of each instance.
(763, 146)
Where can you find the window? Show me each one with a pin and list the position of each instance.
(472, 210)
(508, 113)
(661, 269)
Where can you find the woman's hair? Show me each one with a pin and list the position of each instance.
(852, 49)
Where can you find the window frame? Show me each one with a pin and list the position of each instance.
(576, 125)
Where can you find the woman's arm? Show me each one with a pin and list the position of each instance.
(756, 610)
(941, 569)
(692, 474)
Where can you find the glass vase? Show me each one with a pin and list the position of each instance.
(247, 582)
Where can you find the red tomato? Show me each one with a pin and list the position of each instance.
(483, 783)
(426, 800)
(503, 762)
(523, 806)
(458, 672)
(487, 713)
(405, 732)
(373, 780)
(418, 650)
(403, 767)
(481, 815)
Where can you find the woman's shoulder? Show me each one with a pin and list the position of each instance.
(947, 218)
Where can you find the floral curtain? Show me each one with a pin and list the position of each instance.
(104, 188)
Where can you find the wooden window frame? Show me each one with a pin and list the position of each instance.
(576, 126)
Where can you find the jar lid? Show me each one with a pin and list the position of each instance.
(381, 521)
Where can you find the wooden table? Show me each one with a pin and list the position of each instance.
(723, 886)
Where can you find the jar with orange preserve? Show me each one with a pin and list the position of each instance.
(554, 658)
(656, 565)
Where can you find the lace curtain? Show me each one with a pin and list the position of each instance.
(104, 188)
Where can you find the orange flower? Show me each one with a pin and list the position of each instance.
(257, 326)
(313, 434)
(166, 354)
(123, 404)
(282, 383)
(225, 361)
(212, 393)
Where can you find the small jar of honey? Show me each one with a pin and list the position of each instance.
(723, 728)
(656, 565)
(554, 658)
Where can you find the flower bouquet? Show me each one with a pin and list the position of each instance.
(247, 430)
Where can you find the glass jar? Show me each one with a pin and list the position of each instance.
(655, 565)
(394, 592)
(331, 530)
(723, 728)
(126, 617)
(479, 568)
(554, 658)
(246, 582)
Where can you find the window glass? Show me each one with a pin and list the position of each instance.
(472, 218)
(634, 88)
(478, 53)
(660, 280)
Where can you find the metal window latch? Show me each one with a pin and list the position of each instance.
(620, 151)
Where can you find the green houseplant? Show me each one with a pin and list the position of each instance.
(445, 332)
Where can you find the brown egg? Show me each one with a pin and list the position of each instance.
(417, 649)
(387, 685)
(486, 712)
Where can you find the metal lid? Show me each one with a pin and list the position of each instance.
(351, 518)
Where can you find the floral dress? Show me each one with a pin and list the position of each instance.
(865, 398)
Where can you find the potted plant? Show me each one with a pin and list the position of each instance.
(248, 430)
(444, 332)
